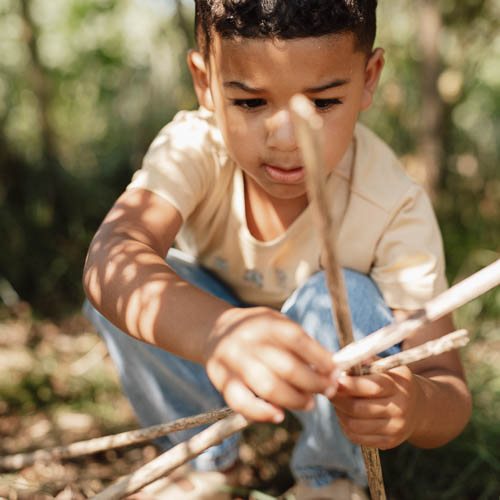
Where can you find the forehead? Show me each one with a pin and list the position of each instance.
(312, 58)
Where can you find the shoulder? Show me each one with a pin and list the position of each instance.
(185, 161)
(379, 177)
(189, 132)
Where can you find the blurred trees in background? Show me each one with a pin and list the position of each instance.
(86, 84)
(84, 87)
(439, 107)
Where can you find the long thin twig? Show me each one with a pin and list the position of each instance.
(444, 344)
(174, 457)
(453, 298)
(309, 129)
(458, 295)
(180, 454)
(96, 445)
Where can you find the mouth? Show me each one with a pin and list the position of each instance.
(291, 175)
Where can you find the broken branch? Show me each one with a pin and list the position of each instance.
(96, 445)
(309, 127)
(175, 457)
(446, 343)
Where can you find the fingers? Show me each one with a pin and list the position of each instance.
(264, 362)
(377, 410)
(243, 401)
(240, 398)
(381, 433)
(268, 385)
(306, 348)
(362, 408)
(376, 386)
(298, 374)
(368, 386)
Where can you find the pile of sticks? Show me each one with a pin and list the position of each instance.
(225, 422)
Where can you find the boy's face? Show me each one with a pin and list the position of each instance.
(249, 82)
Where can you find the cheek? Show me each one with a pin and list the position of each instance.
(338, 135)
(241, 135)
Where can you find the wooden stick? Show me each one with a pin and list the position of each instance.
(308, 126)
(463, 292)
(114, 441)
(351, 355)
(174, 457)
(87, 447)
(446, 343)
(456, 296)
(432, 348)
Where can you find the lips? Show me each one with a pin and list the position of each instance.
(291, 175)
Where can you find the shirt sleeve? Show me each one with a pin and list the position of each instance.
(179, 164)
(409, 263)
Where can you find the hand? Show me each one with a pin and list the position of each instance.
(378, 411)
(261, 362)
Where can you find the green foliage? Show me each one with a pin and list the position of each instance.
(86, 84)
(83, 89)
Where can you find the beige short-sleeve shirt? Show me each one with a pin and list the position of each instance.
(386, 225)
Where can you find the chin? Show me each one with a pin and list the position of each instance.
(291, 193)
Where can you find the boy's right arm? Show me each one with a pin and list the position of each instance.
(257, 358)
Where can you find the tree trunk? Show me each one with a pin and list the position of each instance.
(430, 137)
(39, 84)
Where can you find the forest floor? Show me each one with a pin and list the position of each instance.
(58, 386)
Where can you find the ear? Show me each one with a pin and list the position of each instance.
(201, 82)
(373, 70)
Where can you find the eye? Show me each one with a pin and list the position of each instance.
(325, 104)
(249, 103)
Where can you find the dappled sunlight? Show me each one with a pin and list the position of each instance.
(84, 88)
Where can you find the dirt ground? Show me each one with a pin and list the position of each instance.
(58, 386)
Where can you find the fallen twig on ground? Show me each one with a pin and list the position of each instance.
(103, 443)
(175, 457)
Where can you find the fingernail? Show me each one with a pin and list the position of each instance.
(278, 418)
(335, 374)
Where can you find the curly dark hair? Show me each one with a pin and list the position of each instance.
(285, 19)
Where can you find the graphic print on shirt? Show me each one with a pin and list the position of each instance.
(255, 277)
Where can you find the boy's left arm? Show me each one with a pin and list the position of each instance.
(426, 403)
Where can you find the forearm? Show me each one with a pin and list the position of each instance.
(443, 409)
(129, 282)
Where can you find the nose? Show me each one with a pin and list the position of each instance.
(280, 132)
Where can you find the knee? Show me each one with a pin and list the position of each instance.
(360, 287)
(311, 304)
(369, 312)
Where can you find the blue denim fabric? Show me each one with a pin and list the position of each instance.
(162, 387)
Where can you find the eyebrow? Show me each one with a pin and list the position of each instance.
(330, 85)
(242, 86)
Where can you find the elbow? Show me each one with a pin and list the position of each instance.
(90, 280)
(467, 406)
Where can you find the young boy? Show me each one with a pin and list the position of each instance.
(239, 313)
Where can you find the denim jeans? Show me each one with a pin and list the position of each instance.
(162, 387)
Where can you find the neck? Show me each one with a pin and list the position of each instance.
(267, 217)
